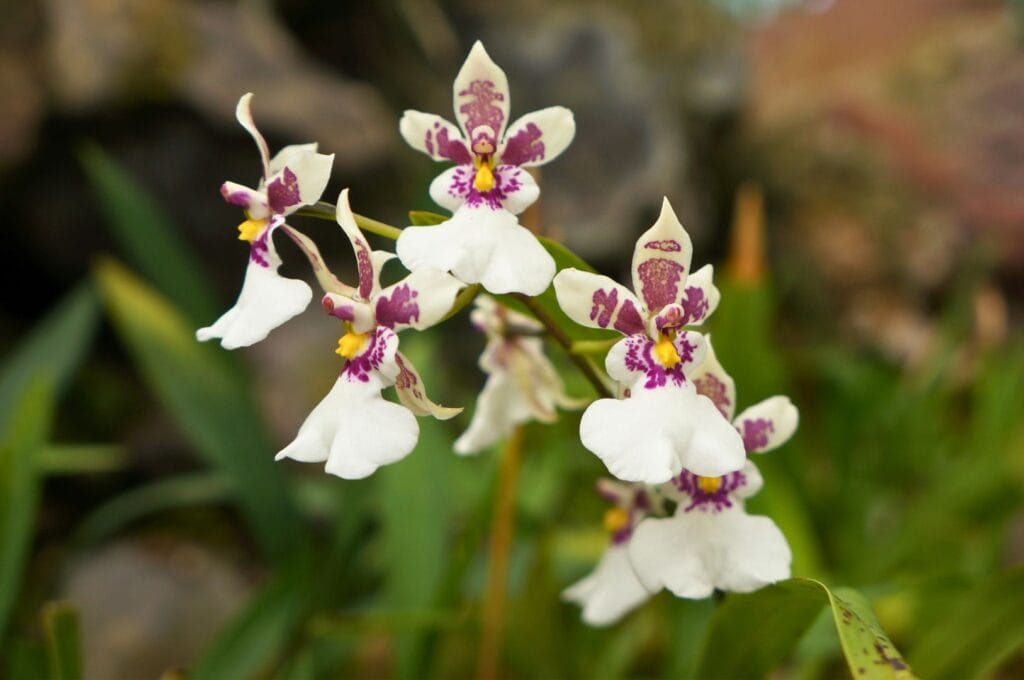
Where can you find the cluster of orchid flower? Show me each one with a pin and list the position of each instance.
(668, 435)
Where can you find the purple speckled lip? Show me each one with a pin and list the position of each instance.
(370, 359)
(259, 249)
(701, 500)
(507, 181)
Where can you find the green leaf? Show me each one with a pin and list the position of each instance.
(752, 634)
(141, 501)
(259, 634)
(213, 407)
(979, 632)
(415, 515)
(52, 352)
(19, 488)
(63, 640)
(77, 459)
(27, 660)
(147, 236)
(425, 218)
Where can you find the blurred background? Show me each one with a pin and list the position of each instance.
(853, 168)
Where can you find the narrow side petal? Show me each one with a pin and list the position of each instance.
(768, 424)
(713, 382)
(300, 181)
(598, 302)
(366, 263)
(538, 137)
(611, 591)
(413, 393)
(661, 261)
(243, 113)
(434, 136)
(481, 97)
(250, 200)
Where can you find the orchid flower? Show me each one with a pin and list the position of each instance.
(521, 385)
(483, 241)
(293, 178)
(354, 429)
(662, 425)
(612, 590)
(711, 542)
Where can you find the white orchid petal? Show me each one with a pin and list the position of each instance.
(266, 301)
(538, 137)
(713, 382)
(434, 136)
(661, 261)
(367, 263)
(611, 591)
(768, 424)
(753, 552)
(418, 301)
(351, 309)
(450, 189)
(640, 439)
(250, 200)
(715, 448)
(413, 393)
(243, 113)
(300, 181)
(481, 97)
(598, 302)
(483, 246)
(672, 553)
(499, 408)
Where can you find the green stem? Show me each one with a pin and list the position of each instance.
(326, 211)
(593, 346)
(585, 365)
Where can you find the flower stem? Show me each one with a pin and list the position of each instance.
(584, 363)
(502, 524)
(323, 210)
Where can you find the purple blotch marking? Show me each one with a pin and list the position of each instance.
(343, 312)
(399, 308)
(604, 304)
(451, 149)
(506, 183)
(755, 433)
(481, 110)
(259, 249)
(283, 191)
(360, 366)
(640, 359)
(667, 245)
(407, 379)
(628, 320)
(236, 198)
(695, 305)
(524, 146)
(714, 389)
(659, 282)
(365, 267)
(718, 500)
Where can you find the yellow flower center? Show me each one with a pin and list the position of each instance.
(709, 485)
(484, 179)
(350, 344)
(665, 351)
(615, 519)
(250, 229)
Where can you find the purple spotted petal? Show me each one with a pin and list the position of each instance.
(481, 97)
(661, 261)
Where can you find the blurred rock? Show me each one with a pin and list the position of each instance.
(150, 606)
(210, 53)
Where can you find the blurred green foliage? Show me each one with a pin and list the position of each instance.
(906, 486)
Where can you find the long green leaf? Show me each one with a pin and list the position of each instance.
(259, 634)
(202, 393)
(146, 235)
(981, 630)
(148, 499)
(52, 351)
(752, 634)
(19, 488)
(63, 640)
